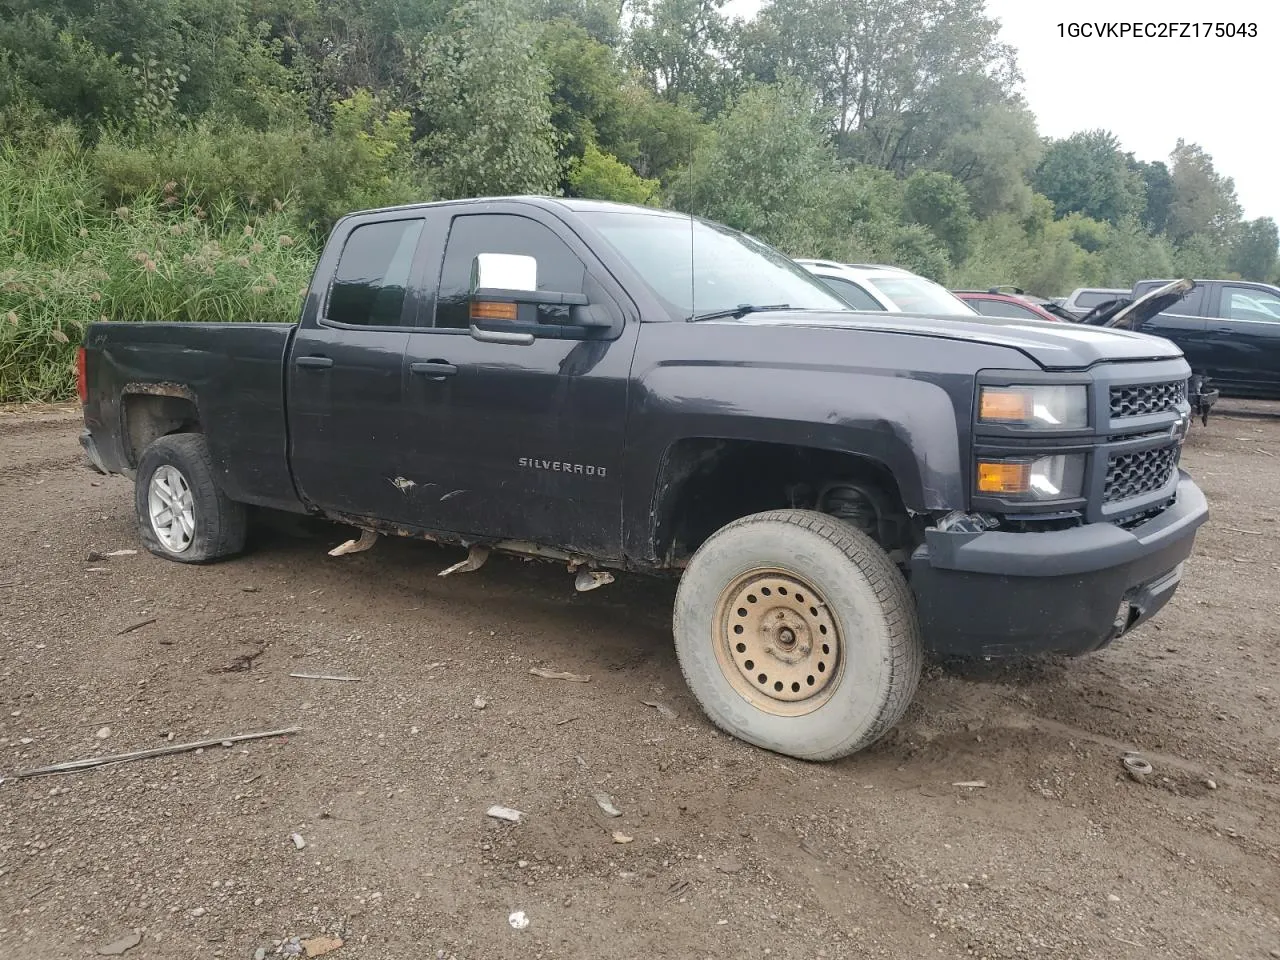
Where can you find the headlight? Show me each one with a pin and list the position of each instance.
(1049, 478)
(1046, 405)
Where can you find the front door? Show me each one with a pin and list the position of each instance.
(519, 441)
(1246, 336)
(345, 375)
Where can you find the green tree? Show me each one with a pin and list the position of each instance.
(1254, 249)
(586, 83)
(676, 45)
(993, 155)
(1158, 191)
(1087, 173)
(602, 176)
(658, 136)
(886, 72)
(940, 203)
(1204, 201)
(763, 168)
(485, 105)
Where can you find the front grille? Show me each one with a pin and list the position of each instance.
(1133, 474)
(1139, 399)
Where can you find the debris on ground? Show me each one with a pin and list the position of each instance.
(199, 912)
(662, 708)
(973, 784)
(1136, 766)
(499, 812)
(325, 676)
(72, 765)
(559, 675)
(590, 579)
(118, 947)
(123, 552)
(298, 842)
(244, 661)
(319, 946)
(475, 559)
(136, 626)
(479, 703)
(518, 920)
(367, 539)
(1211, 783)
(605, 803)
(620, 837)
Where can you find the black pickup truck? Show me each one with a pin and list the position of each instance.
(622, 388)
(1229, 331)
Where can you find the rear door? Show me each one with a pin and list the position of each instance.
(1246, 338)
(345, 370)
(512, 441)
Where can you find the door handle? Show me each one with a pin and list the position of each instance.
(314, 363)
(434, 369)
(501, 336)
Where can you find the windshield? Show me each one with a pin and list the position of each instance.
(917, 295)
(727, 268)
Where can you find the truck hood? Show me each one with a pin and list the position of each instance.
(1053, 346)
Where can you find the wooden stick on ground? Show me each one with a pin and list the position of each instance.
(136, 626)
(73, 765)
(323, 676)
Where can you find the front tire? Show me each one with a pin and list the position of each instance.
(796, 633)
(183, 514)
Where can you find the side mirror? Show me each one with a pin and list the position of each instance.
(504, 271)
(503, 283)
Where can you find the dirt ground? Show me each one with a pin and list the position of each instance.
(735, 852)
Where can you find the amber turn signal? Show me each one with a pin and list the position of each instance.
(491, 310)
(995, 476)
(1005, 405)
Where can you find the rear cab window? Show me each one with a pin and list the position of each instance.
(372, 275)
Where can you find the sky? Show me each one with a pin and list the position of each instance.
(1219, 93)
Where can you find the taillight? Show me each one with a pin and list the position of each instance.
(82, 380)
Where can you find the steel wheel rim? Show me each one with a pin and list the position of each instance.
(172, 508)
(777, 642)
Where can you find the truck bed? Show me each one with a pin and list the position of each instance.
(233, 374)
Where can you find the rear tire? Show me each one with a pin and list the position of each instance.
(183, 514)
(796, 633)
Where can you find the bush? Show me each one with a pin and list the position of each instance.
(68, 261)
(364, 161)
(602, 176)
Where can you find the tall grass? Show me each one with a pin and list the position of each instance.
(68, 259)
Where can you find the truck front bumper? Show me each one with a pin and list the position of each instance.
(998, 594)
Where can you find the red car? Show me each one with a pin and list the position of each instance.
(1018, 305)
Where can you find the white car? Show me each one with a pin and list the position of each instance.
(878, 287)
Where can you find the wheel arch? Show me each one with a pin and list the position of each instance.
(149, 411)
